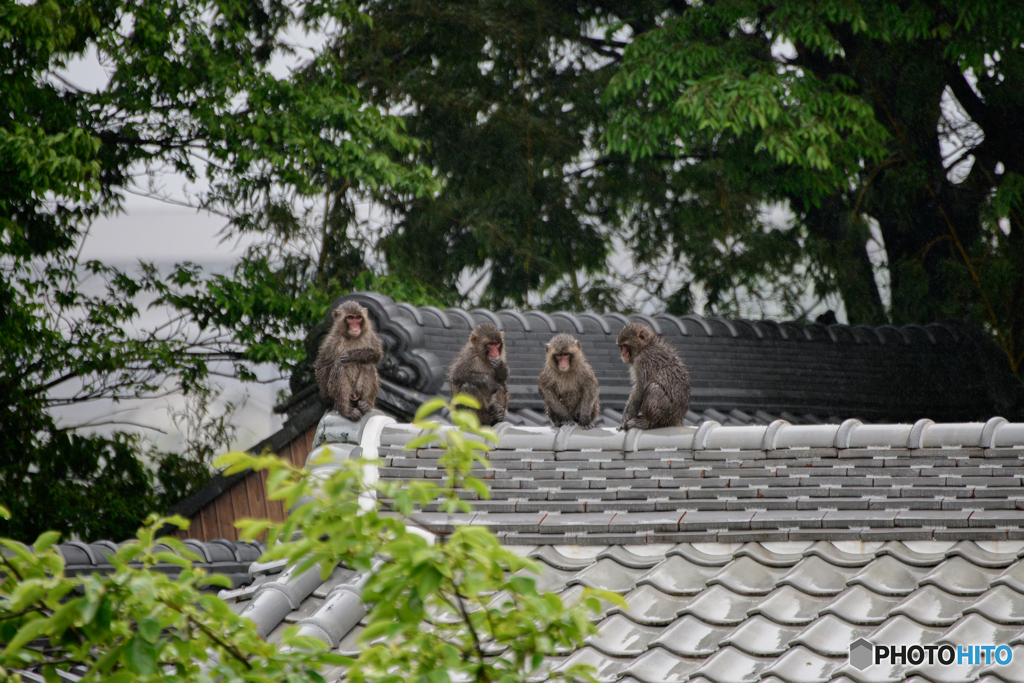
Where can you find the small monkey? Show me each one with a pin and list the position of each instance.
(661, 381)
(568, 384)
(346, 366)
(481, 371)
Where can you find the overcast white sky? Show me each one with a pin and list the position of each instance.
(164, 233)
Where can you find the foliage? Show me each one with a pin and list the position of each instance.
(191, 89)
(905, 114)
(139, 624)
(476, 597)
(135, 624)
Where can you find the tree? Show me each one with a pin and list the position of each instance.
(138, 624)
(191, 89)
(908, 115)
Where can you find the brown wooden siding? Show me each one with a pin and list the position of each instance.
(247, 498)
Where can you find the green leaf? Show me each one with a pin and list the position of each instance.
(140, 657)
(149, 629)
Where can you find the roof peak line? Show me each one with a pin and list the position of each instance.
(945, 332)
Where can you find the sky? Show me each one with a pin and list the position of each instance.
(166, 233)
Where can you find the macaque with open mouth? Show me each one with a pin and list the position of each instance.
(661, 381)
(568, 384)
(481, 370)
(346, 366)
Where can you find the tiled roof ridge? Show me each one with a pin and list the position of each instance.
(419, 340)
(687, 325)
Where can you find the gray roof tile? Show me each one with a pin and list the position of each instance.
(617, 636)
(932, 606)
(830, 636)
(688, 636)
(761, 636)
(658, 665)
(888, 576)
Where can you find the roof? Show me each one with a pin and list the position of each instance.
(225, 558)
(887, 532)
(734, 613)
(743, 553)
(744, 371)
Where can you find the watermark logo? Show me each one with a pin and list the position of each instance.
(864, 653)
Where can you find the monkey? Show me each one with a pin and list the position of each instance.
(346, 365)
(568, 384)
(481, 370)
(661, 380)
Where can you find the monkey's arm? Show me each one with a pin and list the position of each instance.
(500, 369)
(588, 406)
(371, 355)
(632, 409)
(556, 411)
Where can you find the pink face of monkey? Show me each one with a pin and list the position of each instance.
(354, 324)
(563, 360)
(493, 349)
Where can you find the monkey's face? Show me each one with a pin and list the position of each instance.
(564, 361)
(493, 349)
(354, 324)
(633, 338)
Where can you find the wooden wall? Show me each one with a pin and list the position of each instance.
(247, 498)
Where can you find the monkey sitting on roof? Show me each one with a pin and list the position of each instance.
(568, 384)
(346, 366)
(481, 370)
(661, 381)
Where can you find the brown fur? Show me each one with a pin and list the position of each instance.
(346, 366)
(482, 377)
(568, 384)
(661, 381)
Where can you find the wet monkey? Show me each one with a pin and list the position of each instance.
(661, 381)
(568, 384)
(346, 366)
(481, 370)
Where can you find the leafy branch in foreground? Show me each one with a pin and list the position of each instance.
(460, 606)
(135, 624)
